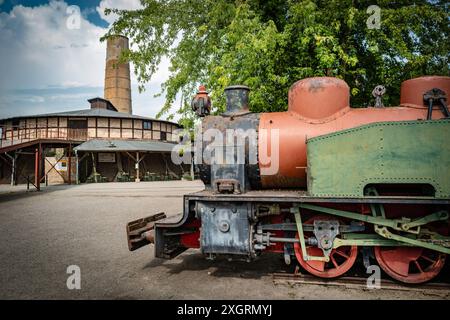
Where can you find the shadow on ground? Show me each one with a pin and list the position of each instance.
(263, 266)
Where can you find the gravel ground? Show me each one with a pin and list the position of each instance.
(43, 233)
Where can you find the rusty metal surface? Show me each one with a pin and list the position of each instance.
(243, 122)
(237, 100)
(318, 97)
(201, 103)
(294, 129)
(227, 185)
(412, 91)
(139, 231)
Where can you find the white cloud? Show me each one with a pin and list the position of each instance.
(40, 52)
(116, 4)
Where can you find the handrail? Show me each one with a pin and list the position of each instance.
(12, 135)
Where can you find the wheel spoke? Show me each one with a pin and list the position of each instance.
(396, 263)
(334, 261)
(418, 266)
(427, 258)
(340, 253)
(337, 265)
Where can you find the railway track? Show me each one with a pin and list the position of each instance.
(359, 282)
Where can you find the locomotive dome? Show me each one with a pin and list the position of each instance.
(411, 91)
(319, 97)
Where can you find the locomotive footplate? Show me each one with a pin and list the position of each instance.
(302, 196)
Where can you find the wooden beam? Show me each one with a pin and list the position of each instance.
(69, 164)
(94, 167)
(84, 156)
(13, 167)
(142, 158)
(134, 159)
(37, 178)
(6, 160)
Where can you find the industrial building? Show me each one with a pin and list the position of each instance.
(103, 143)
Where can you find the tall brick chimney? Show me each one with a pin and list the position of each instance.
(117, 76)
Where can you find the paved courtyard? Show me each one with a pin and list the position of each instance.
(41, 234)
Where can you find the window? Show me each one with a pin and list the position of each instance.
(163, 136)
(16, 124)
(147, 125)
(77, 124)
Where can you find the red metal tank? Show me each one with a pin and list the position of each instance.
(320, 106)
(411, 91)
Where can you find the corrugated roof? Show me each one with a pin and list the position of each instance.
(125, 145)
(90, 113)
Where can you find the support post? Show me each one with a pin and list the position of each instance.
(137, 168)
(77, 178)
(13, 167)
(69, 164)
(13, 170)
(37, 178)
(94, 168)
(41, 166)
(192, 169)
(119, 165)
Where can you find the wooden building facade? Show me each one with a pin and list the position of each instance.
(39, 134)
(83, 125)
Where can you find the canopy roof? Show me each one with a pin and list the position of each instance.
(97, 145)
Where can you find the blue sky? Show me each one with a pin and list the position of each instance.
(48, 66)
(88, 8)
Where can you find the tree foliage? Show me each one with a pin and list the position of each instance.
(270, 44)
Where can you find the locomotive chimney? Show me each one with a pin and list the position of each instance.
(237, 100)
(117, 75)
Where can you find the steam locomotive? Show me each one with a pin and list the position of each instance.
(320, 183)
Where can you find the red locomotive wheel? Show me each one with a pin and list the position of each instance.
(341, 259)
(410, 264)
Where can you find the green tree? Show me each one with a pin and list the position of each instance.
(268, 45)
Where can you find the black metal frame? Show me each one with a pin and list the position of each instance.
(267, 196)
(303, 197)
